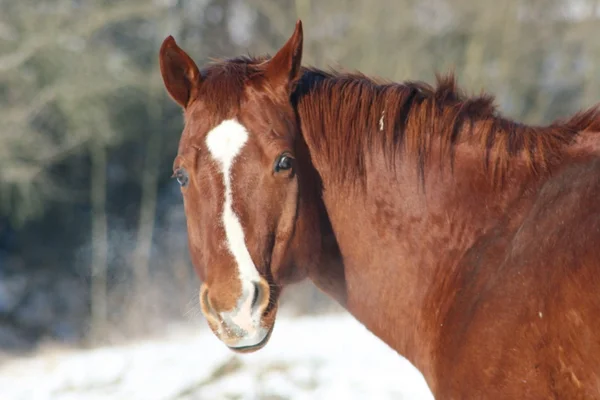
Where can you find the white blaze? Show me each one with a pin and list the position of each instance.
(225, 142)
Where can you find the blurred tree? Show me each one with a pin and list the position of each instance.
(54, 73)
(62, 64)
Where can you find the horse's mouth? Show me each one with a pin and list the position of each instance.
(254, 347)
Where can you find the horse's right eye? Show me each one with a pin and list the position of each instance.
(182, 177)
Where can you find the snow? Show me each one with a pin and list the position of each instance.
(317, 357)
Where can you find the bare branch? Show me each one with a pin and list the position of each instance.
(85, 28)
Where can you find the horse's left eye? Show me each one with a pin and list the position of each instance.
(283, 163)
(182, 177)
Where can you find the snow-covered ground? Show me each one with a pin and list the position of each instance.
(324, 357)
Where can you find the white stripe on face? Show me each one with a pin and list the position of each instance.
(225, 142)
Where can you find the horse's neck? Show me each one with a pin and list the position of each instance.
(399, 243)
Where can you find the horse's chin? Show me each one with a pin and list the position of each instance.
(255, 347)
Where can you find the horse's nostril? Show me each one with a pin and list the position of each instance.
(255, 295)
(261, 297)
(207, 303)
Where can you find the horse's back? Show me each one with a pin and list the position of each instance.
(530, 324)
(563, 230)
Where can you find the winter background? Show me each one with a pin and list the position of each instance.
(98, 298)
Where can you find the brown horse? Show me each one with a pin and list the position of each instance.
(467, 242)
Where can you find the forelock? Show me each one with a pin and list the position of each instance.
(224, 82)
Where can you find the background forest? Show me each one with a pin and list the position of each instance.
(93, 247)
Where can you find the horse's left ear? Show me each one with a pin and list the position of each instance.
(283, 69)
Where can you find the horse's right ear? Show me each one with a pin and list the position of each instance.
(179, 72)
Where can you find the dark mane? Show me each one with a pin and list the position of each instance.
(415, 116)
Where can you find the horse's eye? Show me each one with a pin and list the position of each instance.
(182, 177)
(283, 163)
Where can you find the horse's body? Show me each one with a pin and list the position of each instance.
(467, 242)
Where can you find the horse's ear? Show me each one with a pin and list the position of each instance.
(283, 69)
(179, 72)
